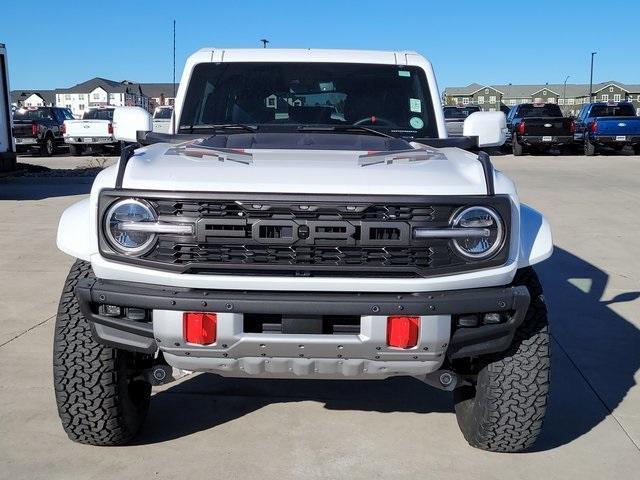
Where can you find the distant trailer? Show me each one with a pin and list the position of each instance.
(7, 147)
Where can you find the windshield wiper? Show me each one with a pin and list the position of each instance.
(222, 126)
(343, 128)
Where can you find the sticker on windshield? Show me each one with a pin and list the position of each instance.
(416, 122)
(415, 105)
(404, 73)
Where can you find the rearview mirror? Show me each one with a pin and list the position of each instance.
(128, 121)
(489, 127)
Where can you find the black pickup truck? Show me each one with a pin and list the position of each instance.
(40, 129)
(538, 126)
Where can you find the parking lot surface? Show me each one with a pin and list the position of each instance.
(400, 428)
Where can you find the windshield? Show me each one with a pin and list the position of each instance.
(459, 113)
(39, 114)
(546, 110)
(624, 110)
(284, 96)
(99, 114)
(163, 113)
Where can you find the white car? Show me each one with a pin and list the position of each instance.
(308, 218)
(94, 132)
(162, 119)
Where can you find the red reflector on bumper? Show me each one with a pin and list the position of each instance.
(199, 327)
(402, 332)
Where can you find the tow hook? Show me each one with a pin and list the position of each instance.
(161, 374)
(442, 379)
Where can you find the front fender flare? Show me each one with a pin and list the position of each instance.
(536, 241)
(74, 231)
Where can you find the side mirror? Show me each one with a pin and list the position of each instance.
(127, 121)
(489, 127)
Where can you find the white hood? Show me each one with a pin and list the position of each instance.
(447, 171)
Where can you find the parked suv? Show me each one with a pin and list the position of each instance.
(308, 218)
(40, 128)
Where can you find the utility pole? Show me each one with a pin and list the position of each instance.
(173, 117)
(264, 42)
(564, 91)
(591, 80)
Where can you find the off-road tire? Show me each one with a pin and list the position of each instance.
(504, 411)
(589, 148)
(516, 147)
(75, 150)
(47, 148)
(101, 397)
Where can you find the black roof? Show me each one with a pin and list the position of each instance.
(48, 96)
(158, 89)
(109, 86)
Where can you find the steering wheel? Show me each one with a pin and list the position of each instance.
(373, 120)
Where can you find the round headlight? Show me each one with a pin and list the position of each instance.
(126, 212)
(486, 232)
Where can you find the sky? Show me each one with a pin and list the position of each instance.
(56, 44)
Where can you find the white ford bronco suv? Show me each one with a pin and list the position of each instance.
(306, 217)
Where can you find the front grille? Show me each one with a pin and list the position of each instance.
(306, 235)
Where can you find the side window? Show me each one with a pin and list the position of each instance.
(57, 115)
(67, 114)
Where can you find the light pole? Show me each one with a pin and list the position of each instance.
(591, 79)
(564, 91)
(264, 42)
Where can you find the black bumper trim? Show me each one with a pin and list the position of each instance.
(464, 341)
(473, 342)
(537, 139)
(611, 139)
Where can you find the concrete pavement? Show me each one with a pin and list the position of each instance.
(207, 426)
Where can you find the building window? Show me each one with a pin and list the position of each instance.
(455, 99)
(524, 100)
(81, 106)
(561, 101)
(81, 96)
(551, 100)
(465, 100)
(571, 101)
(486, 91)
(512, 101)
(616, 97)
(611, 89)
(67, 96)
(481, 99)
(96, 96)
(605, 97)
(492, 99)
(544, 92)
(68, 106)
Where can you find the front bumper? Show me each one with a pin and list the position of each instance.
(365, 354)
